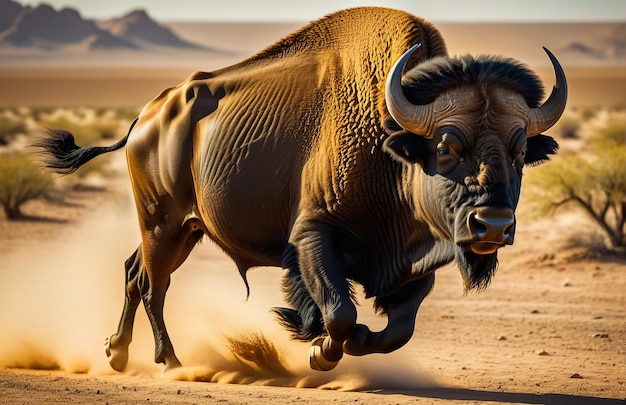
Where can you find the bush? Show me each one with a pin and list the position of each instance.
(21, 180)
(609, 134)
(9, 127)
(568, 126)
(593, 179)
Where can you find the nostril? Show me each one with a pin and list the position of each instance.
(476, 226)
(509, 230)
(492, 225)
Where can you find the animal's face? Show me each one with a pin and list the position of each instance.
(472, 170)
(472, 149)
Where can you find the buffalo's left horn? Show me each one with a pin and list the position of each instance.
(543, 117)
(414, 118)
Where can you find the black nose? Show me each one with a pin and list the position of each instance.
(492, 225)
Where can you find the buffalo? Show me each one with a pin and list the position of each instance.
(353, 152)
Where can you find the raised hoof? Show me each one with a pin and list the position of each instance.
(118, 358)
(316, 358)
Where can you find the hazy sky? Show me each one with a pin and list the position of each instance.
(306, 10)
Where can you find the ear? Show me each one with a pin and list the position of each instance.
(538, 148)
(405, 147)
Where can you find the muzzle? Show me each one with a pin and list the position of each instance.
(486, 229)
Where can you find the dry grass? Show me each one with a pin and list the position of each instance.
(21, 180)
(21, 176)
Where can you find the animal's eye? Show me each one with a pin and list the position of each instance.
(446, 160)
(450, 150)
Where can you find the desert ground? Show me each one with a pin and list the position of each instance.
(550, 329)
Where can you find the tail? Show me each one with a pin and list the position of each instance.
(63, 156)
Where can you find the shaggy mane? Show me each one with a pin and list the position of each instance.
(428, 80)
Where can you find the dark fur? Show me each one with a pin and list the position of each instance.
(537, 147)
(305, 322)
(425, 83)
(477, 269)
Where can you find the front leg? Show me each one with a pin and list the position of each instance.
(401, 309)
(325, 279)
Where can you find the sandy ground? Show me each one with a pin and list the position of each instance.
(550, 329)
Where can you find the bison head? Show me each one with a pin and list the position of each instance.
(471, 124)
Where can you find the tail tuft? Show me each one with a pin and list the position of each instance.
(60, 152)
(62, 155)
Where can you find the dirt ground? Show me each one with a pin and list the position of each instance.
(550, 329)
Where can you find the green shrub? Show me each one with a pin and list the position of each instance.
(610, 134)
(568, 126)
(9, 127)
(593, 179)
(21, 180)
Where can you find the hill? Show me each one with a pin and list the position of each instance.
(139, 28)
(44, 28)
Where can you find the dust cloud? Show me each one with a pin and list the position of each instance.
(60, 300)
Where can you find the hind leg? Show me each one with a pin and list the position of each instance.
(154, 300)
(165, 248)
(116, 347)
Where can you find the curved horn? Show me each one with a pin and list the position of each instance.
(543, 117)
(414, 118)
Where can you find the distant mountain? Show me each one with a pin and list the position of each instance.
(9, 10)
(582, 49)
(45, 28)
(609, 45)
(139, 28)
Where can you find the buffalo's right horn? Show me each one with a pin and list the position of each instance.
(547, 114)
(414, 118)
